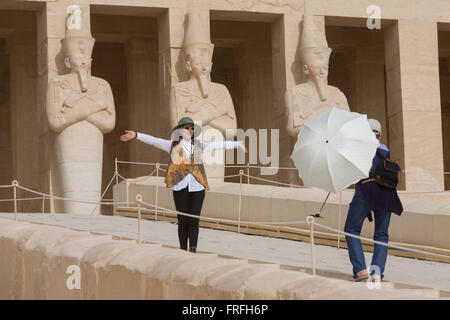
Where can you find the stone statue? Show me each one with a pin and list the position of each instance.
(308, 100)
(199, 97)
(80, 109)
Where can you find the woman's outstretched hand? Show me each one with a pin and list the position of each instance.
(128, 135)
(242, 146)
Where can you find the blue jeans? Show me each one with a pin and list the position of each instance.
(357, 213)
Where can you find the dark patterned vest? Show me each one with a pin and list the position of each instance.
(180, 165)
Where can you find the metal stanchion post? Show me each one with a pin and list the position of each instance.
(248, 173)
(339, 219)
(15, 183)
(156, 192)
(116, 171)
(139, 199)
(240, 199)
(310, 220)
(43, 204)
(128, 193)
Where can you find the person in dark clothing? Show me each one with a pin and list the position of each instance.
(370, 196)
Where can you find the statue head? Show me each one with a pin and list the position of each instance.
(78, 45)
(199, 59)
(315, 58)
(198, 51)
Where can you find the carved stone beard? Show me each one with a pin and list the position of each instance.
(203, 83)
(83, 78)
(321, 86)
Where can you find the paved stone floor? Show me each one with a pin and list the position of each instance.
(281, 251)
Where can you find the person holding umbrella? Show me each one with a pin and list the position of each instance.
(337, 149)
(185, 174)
(370, 196)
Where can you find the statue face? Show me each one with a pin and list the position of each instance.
(317, 71)
(199, 65)
(199, 61)
(79, 62)
(318, 74)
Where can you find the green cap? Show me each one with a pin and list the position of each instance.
(187, 120)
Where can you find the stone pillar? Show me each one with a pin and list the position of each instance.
(25, 142)
(5, 130)
(171, 63)
(51, 19)
(414, 106)
(368, 85)
(286, 72)
(143, 100)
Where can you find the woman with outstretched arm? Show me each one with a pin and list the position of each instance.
(185, 174)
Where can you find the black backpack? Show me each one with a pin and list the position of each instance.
(386, 172)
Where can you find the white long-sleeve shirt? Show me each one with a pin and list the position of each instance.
(165, 145)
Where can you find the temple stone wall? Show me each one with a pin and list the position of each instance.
(5, 128)
(398, 74)
(444, 73)
(18, 125)
(243, 62)
(80, 265)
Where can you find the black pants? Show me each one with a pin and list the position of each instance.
(191, 203)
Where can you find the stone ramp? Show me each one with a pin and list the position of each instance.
(210, 240)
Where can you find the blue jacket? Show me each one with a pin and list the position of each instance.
(378, 197)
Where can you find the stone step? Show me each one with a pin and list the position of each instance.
(429, 293)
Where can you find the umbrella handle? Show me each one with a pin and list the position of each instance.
(317, 215)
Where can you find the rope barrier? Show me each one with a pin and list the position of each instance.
(276, 182)
(265, 167)
(68, 199)
(380, 243)
(20, 199)
(230, 176)
(217, 219)
(421, 192)
(143, 163)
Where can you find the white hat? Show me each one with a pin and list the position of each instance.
(375, 125)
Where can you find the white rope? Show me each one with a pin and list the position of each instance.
(275, 182)
(265, 167)
(69, 199)
(421, 192)
(260, 167)
(230, 176)
(20, 199)
(430, 171)
(143, 163)
(219, 219)
(381, 243)
(140, 179)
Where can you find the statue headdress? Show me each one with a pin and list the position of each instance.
(78, 37)
(310, 51)
(196, 36)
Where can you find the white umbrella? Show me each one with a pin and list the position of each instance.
(334, 150)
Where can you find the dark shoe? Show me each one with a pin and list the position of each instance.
(193, 249)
